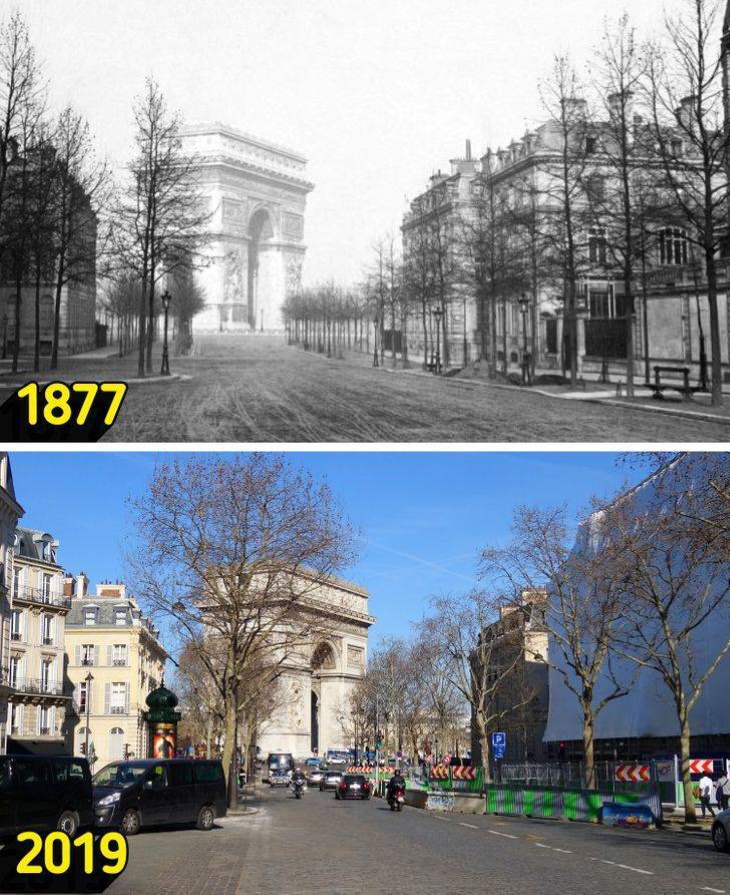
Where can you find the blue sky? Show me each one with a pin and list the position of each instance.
(425, 516)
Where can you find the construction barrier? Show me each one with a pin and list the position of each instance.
(584, 805)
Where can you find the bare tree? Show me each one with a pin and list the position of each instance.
(162, 214)
(83, 187)
(562, 200)
(684, 90)
(233, 551)
(480, 653)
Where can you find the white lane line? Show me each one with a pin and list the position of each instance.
(708, 889)
(563, 851)
(506, 835)
(624, 866)
(438, 817)
(471, 826)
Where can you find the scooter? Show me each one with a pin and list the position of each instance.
(396, 799)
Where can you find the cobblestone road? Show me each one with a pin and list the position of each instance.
(322, 845)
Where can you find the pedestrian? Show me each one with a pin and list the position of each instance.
(706, 789)
(722, 792)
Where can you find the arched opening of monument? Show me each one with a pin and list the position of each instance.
(260, 230)
(323, 658)
(314, 745)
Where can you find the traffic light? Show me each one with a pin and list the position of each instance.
(561, 750)
(379, 741)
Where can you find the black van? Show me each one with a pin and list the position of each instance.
(146, 792)
(39, 792)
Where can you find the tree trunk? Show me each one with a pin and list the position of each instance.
(229, 750)
(690, 812)
(588, 747)
(716, 360)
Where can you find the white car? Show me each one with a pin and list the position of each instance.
(721, 831)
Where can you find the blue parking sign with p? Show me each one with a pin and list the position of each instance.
(499, 744)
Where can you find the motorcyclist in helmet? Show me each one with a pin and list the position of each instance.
(395, 783)
(298, 778)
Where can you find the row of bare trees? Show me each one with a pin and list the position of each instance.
(64, 221)
(52, 186)
(625, 183)
(633, 592)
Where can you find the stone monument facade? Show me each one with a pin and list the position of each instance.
(257, 195)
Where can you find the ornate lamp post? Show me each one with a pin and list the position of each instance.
(524, 304)
(438, 314)
(165, 368)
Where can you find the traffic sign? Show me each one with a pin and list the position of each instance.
(499, 744)
(701, 765)
(632, 773)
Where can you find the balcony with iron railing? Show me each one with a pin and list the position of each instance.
(36, 595)
(25, 686)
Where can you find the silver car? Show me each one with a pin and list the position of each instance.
(721, 831)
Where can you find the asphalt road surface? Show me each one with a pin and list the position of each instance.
(319, 844)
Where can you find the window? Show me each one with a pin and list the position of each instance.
(181, 774)
(119, 654)
(32, 773)
(63, 771)
(595, 187)
(120, 616)
(14, 671)
(116, 744)
(83, 695)
(118, 699)
(47, 630)
(89, 616)
(16, 719)
(46, 584)
(87, 654)
(672, 246)
(17, 580)
(597, 246)
(16, 625)
(157, 776)
(45, 720)
(46, 675)
(590, 145)
(604, 303)
(207, 772)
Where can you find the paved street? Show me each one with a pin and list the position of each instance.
(322, 845)
(256, 389)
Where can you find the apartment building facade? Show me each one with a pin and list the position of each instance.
(40, 694)
(114, 658)
(10, 512)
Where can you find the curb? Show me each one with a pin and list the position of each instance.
(611, 402)
(180, 377)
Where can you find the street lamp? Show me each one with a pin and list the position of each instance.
(165, 369)
(375, 341)
(438, 314)
(89, 678)
(524, 304)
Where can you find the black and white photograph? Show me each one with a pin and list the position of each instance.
(288, 223)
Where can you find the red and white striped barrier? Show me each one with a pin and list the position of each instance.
(464, 773)
(701, 765)
(632, 773)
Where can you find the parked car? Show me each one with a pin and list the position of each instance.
(721, 831)
(330, 780)
(145, 792)
(313, 762)
(44, 793)
(315, 775)
(353, 786)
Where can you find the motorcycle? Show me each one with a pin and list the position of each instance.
(298, 786)
(396, 798)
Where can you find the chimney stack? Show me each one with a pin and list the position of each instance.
(468, 150)
(82, 584)
(68, 585)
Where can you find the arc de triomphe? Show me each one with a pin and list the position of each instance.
(257, 193)
(311, 713)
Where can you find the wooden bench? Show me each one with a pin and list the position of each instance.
(685, 389)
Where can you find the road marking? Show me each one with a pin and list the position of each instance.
(438, 817)
(708, 889)
(471, 826)
(506, 835)
(624, 866)
(563, 851)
